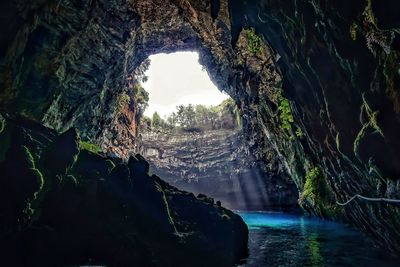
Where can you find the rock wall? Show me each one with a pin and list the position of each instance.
(339, 64)
(65, 206)
(218, 163)
(317, 83)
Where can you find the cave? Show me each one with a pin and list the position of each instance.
(211, 155)
(316, 88)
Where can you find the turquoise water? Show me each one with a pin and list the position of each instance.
(279, 239)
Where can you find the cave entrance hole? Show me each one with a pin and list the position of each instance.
(178, 79)
(191, 133)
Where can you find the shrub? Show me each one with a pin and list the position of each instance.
(254, 42)
(285, 113)
(312, 186)
(299, 133)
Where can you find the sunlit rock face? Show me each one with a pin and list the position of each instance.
(319, 98)
(220, 164)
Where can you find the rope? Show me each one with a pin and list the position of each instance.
(380, 199)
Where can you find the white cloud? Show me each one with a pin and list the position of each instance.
(176, 79)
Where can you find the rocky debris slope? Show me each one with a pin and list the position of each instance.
(63, 206)
(217, 163)
(316, 83)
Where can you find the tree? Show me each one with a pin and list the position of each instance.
(201, 117)
(172, 120)
(190, 116)
(142, 98)
(180, 115)
(157, 121)
(145, 123)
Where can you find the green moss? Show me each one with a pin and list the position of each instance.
(94, 148)
(40, 180)
(312, 186)
(2, 123)
(36, 173)
(254, 42)
(299, 133)
(285, 113)
(317, 193)
(370, 123)
(164, 199)
(337, 141)
(28, 156)
(29, 210)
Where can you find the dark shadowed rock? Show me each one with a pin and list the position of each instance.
(62, 153)
(92, 165)
(93, 216)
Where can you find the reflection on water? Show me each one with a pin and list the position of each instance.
(279, 239)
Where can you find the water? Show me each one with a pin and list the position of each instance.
(279, 239)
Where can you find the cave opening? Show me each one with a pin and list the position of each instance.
(191, 132)
(178, 79)
(313, 121)
(189, 127)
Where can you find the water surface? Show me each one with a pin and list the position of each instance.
(279, 239)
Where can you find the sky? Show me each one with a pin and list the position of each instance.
(176, 79)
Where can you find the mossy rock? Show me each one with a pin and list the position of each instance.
(21, 182)
(318, 194)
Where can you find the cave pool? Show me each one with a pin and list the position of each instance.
(282, 239)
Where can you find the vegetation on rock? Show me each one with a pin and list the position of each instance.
(285, 113)
(123, 101)
(141, 99)
(94, 148)
(316, 191)
(254, 42)
(299, 133)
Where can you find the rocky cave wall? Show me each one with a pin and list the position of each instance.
(340, 68)
(219, 164)
(318, 95)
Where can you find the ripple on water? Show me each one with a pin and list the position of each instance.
(280, 239)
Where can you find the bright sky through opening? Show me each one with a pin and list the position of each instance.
(176, 79)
